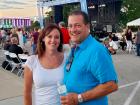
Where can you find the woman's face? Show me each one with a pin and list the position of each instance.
(52, 40)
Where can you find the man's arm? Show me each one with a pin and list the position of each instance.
(100, 91)
(97, 92)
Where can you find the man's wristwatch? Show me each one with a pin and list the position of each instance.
(80, 99)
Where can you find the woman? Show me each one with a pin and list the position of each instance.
(20, 37)
(128, 36)
(45, 68)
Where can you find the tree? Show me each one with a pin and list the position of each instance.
(130, 11)
(35, 24)
(49, 16)
(67, 8)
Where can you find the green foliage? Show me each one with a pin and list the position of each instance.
(68, 8)
(50, 13)
(132, 11)
(49, 16)
(35, 24)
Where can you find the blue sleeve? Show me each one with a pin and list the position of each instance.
(102, 66)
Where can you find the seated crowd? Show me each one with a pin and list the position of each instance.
(110, 45)
(13, 47)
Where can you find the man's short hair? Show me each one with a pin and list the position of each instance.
(36, 28)
(83, 14)
(62, 24)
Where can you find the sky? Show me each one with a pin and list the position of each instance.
(18, 8)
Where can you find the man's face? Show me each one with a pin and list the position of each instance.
(78, 30)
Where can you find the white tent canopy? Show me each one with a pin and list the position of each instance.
(134, 22)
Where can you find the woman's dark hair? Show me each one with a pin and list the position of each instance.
(41, 44)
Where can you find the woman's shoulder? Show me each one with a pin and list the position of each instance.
(32, 58)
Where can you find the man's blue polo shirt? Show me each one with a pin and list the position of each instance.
(92, 65)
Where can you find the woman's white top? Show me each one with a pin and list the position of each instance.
(45, 81)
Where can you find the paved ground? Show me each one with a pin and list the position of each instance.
(11, 89)
(127, 67)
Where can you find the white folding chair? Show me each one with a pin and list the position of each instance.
(8, 59)
(16, 62)
(23, 58)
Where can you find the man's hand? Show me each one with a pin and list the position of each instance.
(70, 99)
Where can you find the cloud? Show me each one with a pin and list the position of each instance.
(8, 7)
(3, 6)
(16, 4)
(30, 0)
(12, 2)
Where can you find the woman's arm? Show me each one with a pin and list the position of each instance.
(28, 80)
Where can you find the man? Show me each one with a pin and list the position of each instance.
(112, 46)
(65, 33)
(14, 48)
(66, 37)
(89, 73)
(34, 39)
(138, 42)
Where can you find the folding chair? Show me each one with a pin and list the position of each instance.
(23, 58)
(16, 62)
(8, 59)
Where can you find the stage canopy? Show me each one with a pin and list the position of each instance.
(134, 22)
(60, 2)
(48, 3)
(83, 4)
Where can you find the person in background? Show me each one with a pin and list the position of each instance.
(65, 32)
(20, 37)
(45, 68)
(7, 45)
(123, 43)
(14, 48)
(128, 36)
(0, 36)
(115, 39)
(34, 39)
(89, 73)
(112, 46)
(24, 37)
(138, 42)
(3, 36)
(14, 33)
(66, 37)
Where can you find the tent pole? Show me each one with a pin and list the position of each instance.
(84, 5)
(40, 15)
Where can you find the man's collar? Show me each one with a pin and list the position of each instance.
(85, 43)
